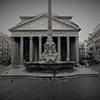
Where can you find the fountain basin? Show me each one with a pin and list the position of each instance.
(48, 66)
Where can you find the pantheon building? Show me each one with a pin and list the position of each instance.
(29, 37)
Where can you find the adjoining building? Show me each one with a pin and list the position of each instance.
(29, 37)
(5, 48)
(82, 50)
(93, 43)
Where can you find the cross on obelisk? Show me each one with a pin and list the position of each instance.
(49, 55)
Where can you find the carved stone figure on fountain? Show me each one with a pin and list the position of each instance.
(49, 55)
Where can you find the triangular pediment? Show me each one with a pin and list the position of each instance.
(40, 23)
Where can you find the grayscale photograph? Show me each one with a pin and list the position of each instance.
(49, 49)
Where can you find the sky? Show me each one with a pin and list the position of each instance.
(86, 13)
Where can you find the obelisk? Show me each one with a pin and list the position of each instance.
(49, 33)
(49, 20)
(49, 54)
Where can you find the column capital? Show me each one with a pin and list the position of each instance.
(12, 39)
(59, 37)
(77, 37)
(21, 38)
(40, 37)
(31, 38)
(68, 37)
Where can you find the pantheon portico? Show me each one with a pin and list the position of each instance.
(29, 37)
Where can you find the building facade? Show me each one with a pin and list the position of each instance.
(82, 50)
(5, 48)
(29, 37)
(93, 43)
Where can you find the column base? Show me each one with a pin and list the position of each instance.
(67, 59)
(30, 59)
(21, 65)
(13, 66)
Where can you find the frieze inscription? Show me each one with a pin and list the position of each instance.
(40, 33)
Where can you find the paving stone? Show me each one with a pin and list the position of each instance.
(84, 88)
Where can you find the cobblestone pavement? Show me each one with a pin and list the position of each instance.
(79, 88)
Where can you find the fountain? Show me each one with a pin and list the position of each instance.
(49, 58)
